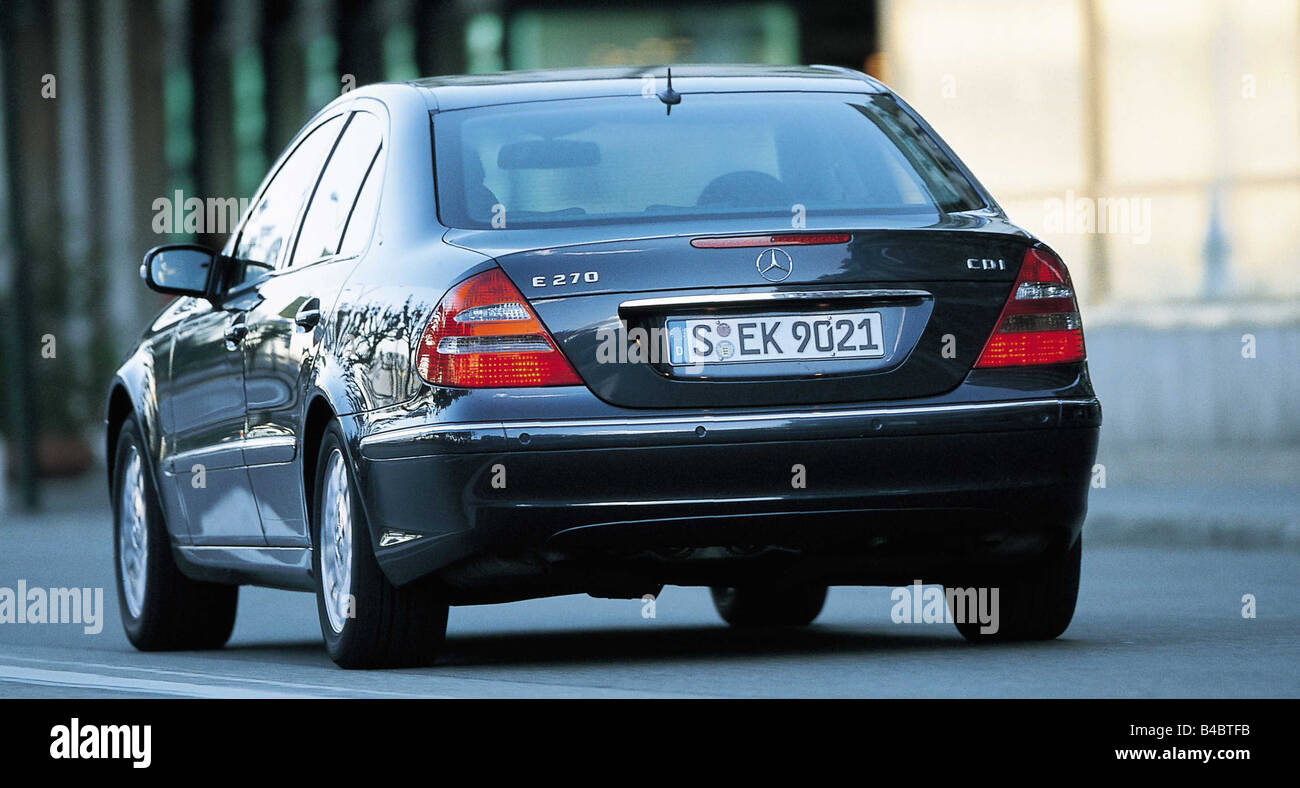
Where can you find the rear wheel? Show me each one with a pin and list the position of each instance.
(161, 608)
(1036, 602)
(758, 606)
(366, 620)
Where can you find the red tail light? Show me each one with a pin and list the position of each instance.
(485, 335)
(1040, 323)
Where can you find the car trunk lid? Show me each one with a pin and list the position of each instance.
(913, 301)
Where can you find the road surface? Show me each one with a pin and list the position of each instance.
(1150, 622)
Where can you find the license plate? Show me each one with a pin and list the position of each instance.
(797, 337)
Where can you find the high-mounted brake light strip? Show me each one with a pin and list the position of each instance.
(792, 239)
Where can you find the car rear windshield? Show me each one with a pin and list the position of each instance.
(584, 161)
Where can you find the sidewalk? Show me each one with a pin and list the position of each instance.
(1211, 496)
(1233, 497)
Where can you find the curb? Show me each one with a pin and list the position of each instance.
(1194, 530)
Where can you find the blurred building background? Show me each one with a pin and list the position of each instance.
(1155, 144)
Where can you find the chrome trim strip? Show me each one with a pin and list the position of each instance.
(410, 433)
(644, 304)
(205, 451)
(269, 441)
(264, 442)
(707, 419)
(419, 431)
(762, 499)
(243, 547)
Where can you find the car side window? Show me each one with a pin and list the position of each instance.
(362, 220)
(335, 195)
(269, 228)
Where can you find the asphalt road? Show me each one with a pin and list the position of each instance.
(1151, 622)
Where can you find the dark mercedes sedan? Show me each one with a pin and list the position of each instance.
(481, 339)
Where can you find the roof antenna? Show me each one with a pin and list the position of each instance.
(669, 96)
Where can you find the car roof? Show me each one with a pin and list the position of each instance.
(508, 87)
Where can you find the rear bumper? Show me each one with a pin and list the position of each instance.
(870, 491)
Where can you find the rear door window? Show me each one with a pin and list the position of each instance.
(357, 231)
(336, 194)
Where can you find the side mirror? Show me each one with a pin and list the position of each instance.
(183, 269)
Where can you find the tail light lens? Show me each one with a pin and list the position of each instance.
(1040, 323)
(485, 335)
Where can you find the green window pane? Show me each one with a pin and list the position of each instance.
(765, 33)
(249, 119)
(483, 35)
(399, 54)
(323, 82)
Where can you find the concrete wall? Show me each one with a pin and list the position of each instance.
(1188, 386)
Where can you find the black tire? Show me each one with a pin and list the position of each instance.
(759, 606)
(1037, 602)
(174, 612)
(387, 625)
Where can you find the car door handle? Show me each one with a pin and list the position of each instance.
(308, 314)
(235, 333)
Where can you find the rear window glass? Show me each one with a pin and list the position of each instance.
(582, 161)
